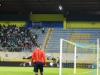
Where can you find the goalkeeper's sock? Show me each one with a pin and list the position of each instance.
(41, 73)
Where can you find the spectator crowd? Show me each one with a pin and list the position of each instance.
(16, 39)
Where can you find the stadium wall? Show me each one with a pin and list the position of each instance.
(14, 55)
(84, 60)
(67, 56)
(52, 24)
(72, 20)
(46, 17)
(18, 23)
(65, 24)
(85, 24)
(48, 64)
(48, 20)
(23, 64)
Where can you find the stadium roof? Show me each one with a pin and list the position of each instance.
(49, 6)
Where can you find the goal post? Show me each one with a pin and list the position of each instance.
(79, 58)
(97, 56)
(60, 69)
(75, 60)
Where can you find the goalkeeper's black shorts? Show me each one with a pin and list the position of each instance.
(38, 66)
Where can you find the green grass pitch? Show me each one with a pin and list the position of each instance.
(47, 71)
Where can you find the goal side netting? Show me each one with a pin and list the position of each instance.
(79, 58)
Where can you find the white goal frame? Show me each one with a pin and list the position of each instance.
(75, 49)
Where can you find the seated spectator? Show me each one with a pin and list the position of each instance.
(30, 47)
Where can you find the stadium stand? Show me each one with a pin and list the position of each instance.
(78, 35)
(17, 39)
(54, 43)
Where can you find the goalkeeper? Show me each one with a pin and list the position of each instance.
(39, 59)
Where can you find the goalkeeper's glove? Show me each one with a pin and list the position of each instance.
(44, 64)
(31, 63)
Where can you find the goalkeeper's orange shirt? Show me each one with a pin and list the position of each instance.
(38, 56)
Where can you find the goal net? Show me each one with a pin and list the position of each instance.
(79, 58)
